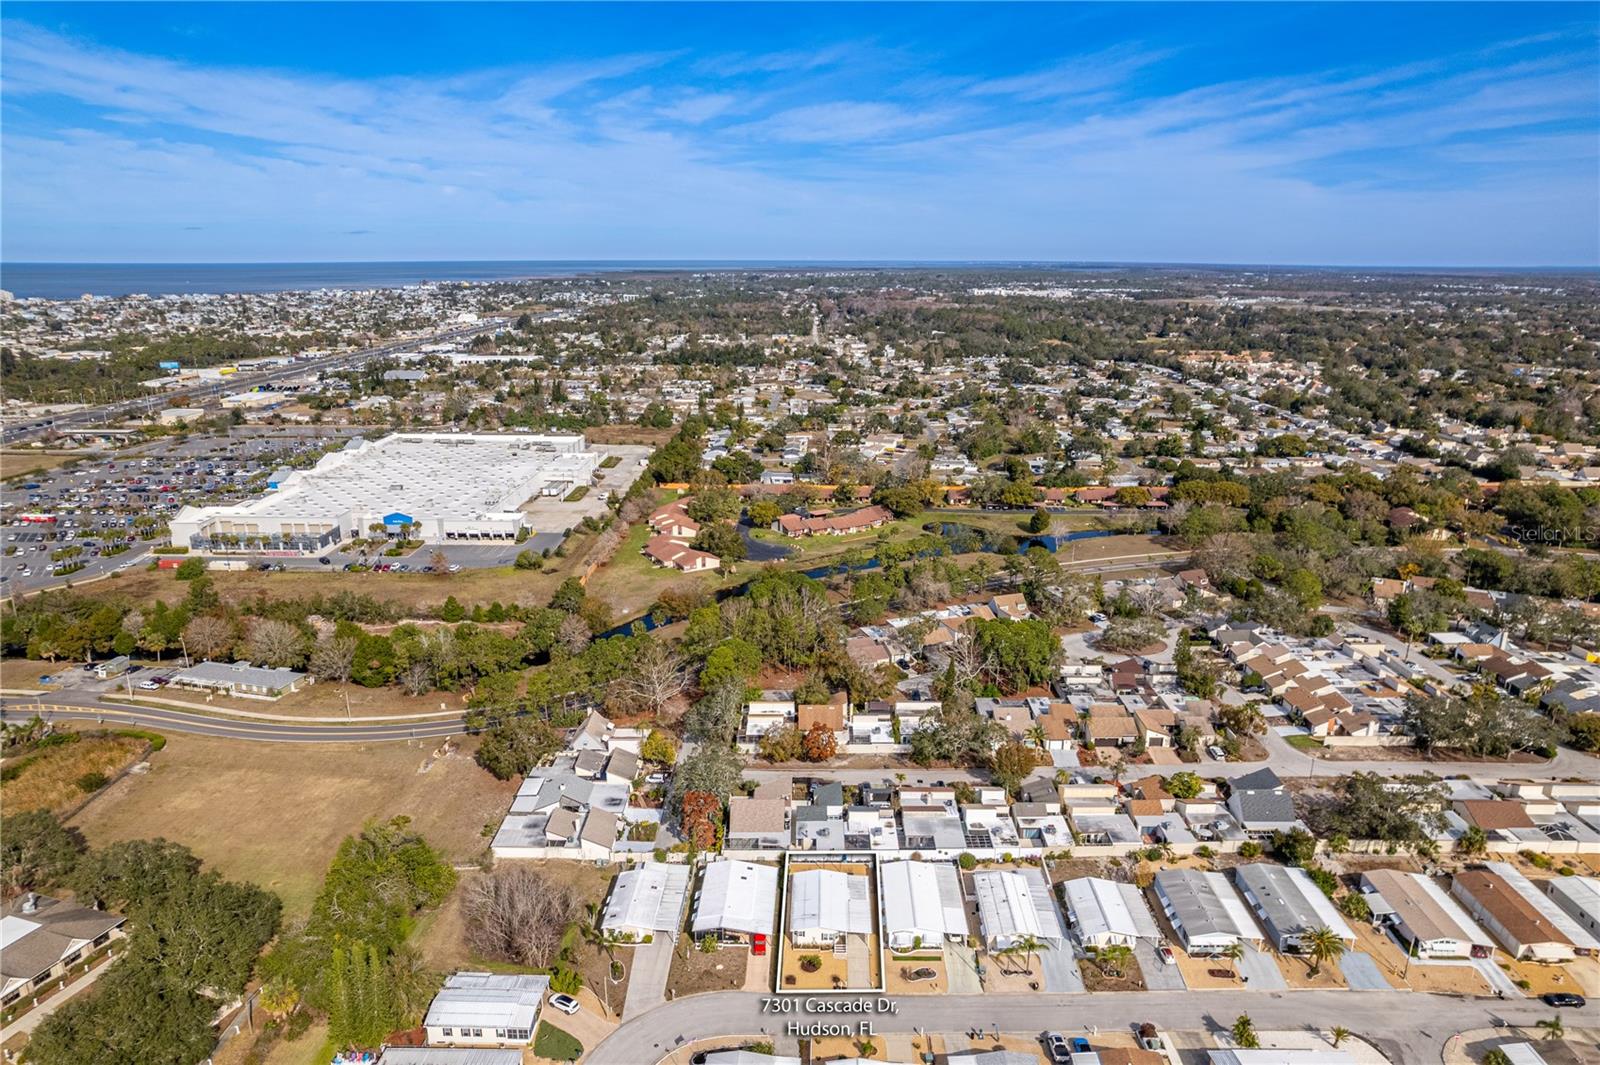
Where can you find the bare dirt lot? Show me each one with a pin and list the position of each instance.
(275, 813)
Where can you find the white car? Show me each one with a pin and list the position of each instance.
(149, 686)
(565, 1003)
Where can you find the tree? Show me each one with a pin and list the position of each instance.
(333, 659)
(134, 1017)
(1296, 846)
(732, 661)
(819, 743)
(190, 568)
(1025, 947)
(573, 634)
(711, 769)
(659, 747)
(1242, 720)
(1584, 730)
(1244, 1032)
(1553, 1028)
(1483, 723)
(132, 872)
(1011, 763)
(518, 914)
(1338, 1034)
(276, 643)
(36, 852)
(1473, 841)
(1039, 522)
(1398, 810)
(655, 677)
(208, 636)
(762, 513)
(781, 743)
(715, 718)
(516, 746)
(721, 540)
(440, 562)
(702, 819)
(1184, 785)
(1022, 653)
(1324, 946)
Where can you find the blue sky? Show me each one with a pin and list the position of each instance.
(1403, 134)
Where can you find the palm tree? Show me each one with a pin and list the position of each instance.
(1234, 952)
(1244, 1032)
(1338, 1035)
(1026, 947)
(1553, 1028)
(1037, 737)
(1113, 958)
(1325, 946)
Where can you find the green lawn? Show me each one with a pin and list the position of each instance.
(551, 1042)
(1304, 743)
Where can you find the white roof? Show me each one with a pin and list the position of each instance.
(1205, 904)
(1102, 907)
(650, 896)
(829, 900)
(488, 1000)
(13, 928)
(1013, 903)
(738, 896)
(922, 898)
(1576, 933)
(1583, 892)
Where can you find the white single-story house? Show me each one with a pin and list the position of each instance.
(646, 901)
(1105, 913)
(825, 905)
(737, 900)
(486, 1009)
(1014, 904)
(921, 903)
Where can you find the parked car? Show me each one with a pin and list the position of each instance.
(1056, 1049)
(1080, 1045)
(1217, 752)
(1565, 998)
(758, 944)
(565, 1003)
(149, 686)
(1166, 956)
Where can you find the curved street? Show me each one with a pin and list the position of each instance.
(1408, 1029)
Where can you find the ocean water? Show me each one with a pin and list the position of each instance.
(63, 281)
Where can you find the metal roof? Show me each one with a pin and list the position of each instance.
(650, 896)
(737, 896)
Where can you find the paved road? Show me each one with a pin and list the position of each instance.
(194, 394)
(13, 709)
(1408, 1027)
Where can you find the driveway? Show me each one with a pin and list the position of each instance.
(1060, 967)
(1261, 971)
(1361, 972)
(647, 983)
(961, 967)
(1158, 975)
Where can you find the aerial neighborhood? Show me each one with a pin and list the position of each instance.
(983, 667)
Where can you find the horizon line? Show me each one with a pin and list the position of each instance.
(747, 263)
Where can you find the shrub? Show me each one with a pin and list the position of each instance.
(1249, 849)
(810, 962)
(967, 861)
(92, 782)
(565, 980)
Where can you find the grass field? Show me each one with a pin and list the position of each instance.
(49, 777)
(551, 1042)
(274, 813)
(631, 584)
(409, 591)
(14, 464)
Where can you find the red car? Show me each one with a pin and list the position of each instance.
(758, 945)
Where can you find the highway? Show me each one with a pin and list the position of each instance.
(195, 395)
(1409, 1027)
